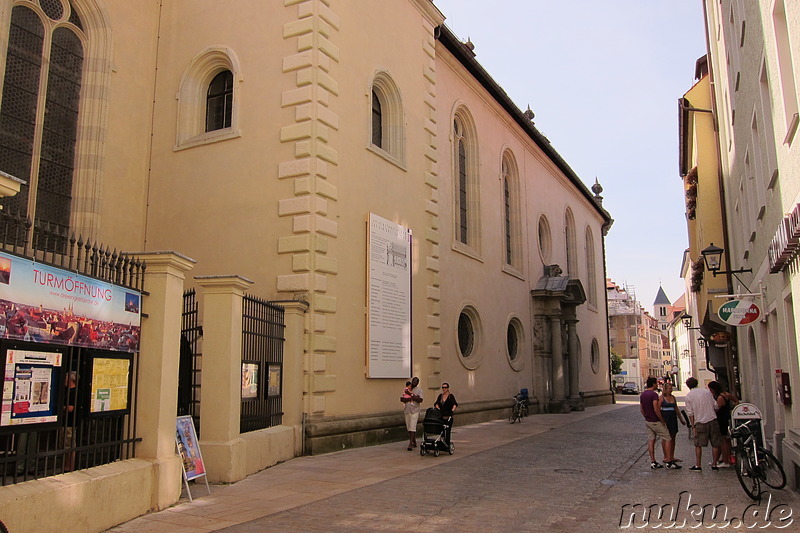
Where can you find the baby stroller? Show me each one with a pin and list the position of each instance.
(436, 433)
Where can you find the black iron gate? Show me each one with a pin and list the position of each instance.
(191, 360)
(262, 364)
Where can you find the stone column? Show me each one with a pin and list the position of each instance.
(557, 349)
(574, 371)
(159, 358)
(223, 449)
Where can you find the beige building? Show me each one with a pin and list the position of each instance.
(753, 101)
(351, 162)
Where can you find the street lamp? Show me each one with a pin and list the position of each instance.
(713, 258)
(702, 342)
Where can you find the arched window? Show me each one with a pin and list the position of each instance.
(208, 99)
(377, 121)
(591, 269)
(512, 241)
(465, 183)
(387, 131)
(39, 110)
(569, 244)
(219, 101)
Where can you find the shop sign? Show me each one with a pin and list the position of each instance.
(739, 312)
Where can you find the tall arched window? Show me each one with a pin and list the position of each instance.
(465, 181)
(591, 269)
(512, 241)
(219, 101)
(569, 244)
(377, 121)
(38, 127)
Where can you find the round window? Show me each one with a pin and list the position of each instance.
(595, 356)
(512, 341)
(466, 334)
(544, 239)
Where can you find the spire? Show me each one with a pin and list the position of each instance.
(661, 297)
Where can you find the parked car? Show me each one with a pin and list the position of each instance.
(630, 388)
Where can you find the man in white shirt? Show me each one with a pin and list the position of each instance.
(702, 411)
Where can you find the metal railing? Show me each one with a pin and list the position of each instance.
(262, 364)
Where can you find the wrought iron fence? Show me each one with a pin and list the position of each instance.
(81, 437)
(52, 245)
(262, 364)
(191, 365)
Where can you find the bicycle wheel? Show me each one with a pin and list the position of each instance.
(747, 477)
(771, 469)
(515, 413)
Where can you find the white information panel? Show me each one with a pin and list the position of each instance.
(389, 300)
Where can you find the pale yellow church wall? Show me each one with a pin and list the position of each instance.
(125, 129)
(218, 201)
(367, 183)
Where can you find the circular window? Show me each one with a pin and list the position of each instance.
(468, 337)
(545, 244)
(595, 356)
(512, 341)
(514, 344)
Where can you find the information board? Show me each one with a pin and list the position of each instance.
(30, 387)
(389, 299)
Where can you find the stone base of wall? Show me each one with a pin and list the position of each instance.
(90, 500)
(336, 433)
(598, 397)
(228, 462)
(330, 434)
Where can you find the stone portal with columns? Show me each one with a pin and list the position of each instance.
(556, 362)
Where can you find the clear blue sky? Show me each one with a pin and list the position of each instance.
(603, 79)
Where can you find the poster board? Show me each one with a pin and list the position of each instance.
(32, 380)
(250, 374)
(110, 379)
(44, 304)
(388, 299)
(189, 451)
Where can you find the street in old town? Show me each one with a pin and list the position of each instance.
(584, 471)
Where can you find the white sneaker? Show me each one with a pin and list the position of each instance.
(723, 465)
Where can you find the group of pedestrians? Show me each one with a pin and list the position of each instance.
(707, 412)
(412, 399)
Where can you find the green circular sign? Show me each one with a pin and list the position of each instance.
(739, 312)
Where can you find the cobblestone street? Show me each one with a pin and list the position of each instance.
(566, 473)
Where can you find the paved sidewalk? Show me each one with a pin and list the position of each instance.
(308, 479)
(572, 473)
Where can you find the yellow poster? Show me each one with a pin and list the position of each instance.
(109, 384)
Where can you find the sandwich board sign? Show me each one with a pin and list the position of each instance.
(739, 312)
(189, 450)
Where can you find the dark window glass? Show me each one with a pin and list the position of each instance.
(511, 338)
(462, 192)
(74, 18)
(507, 198)
(54, 193)
(20, 100)
(219, 101)
(52, 8)
(377, 121)
(466, 335)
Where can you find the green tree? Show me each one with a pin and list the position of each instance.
(616, 363)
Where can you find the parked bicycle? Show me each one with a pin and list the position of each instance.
(520, 408)
(754, 464)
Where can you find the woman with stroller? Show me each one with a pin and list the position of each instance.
(446, 403)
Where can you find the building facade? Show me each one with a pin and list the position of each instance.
(749, 101)
(291, 153)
